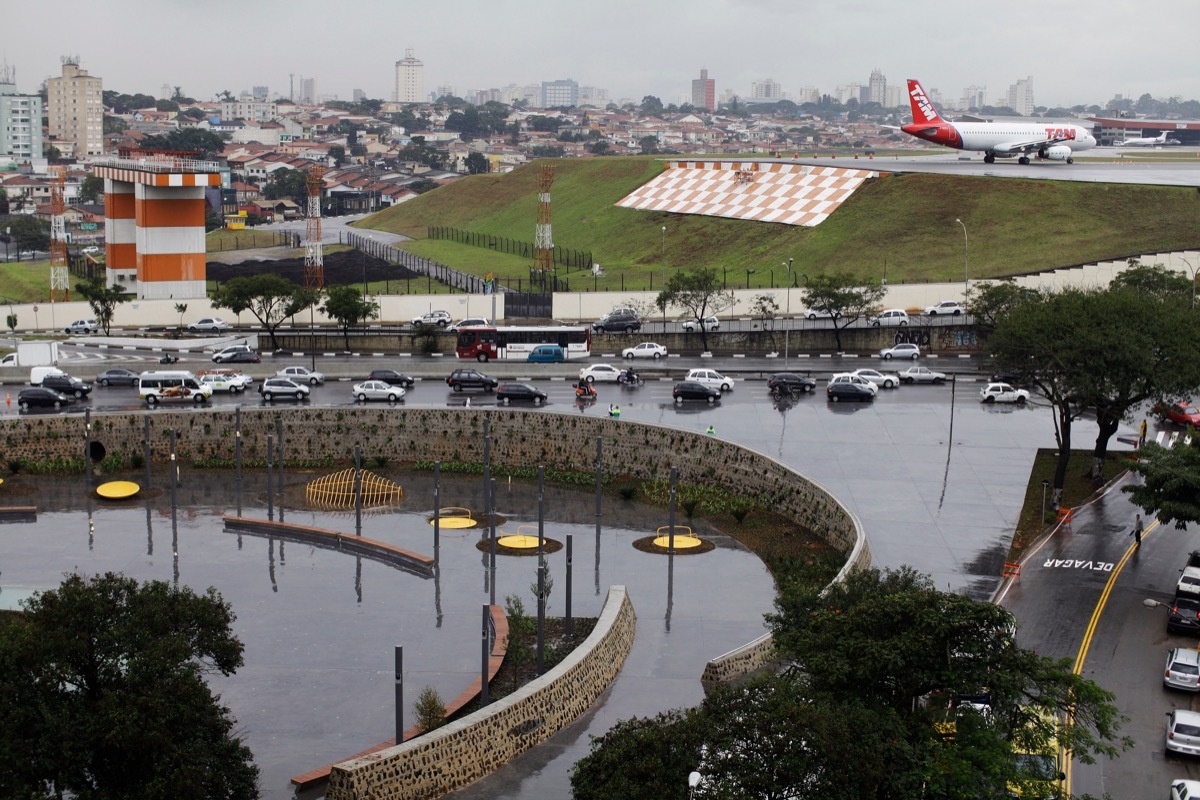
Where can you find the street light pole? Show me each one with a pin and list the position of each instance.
(786, 314)
(966, 260)
(664, 268)
(1191, 270)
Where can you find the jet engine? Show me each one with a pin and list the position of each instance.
(1058, 152)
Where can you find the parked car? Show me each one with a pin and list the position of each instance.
(209, 325)
(236, 353)
(645, 350)
(902, 350)
(817, 313)
(547, 354)
(393, 377)
(117, 376)
(283, 387)
(710, 377)
(90, 250)
(471, 322)
(439, 318)
(600, 372)
(857, 380)
(377, 390)
(790, 383)
(1183, 732)
(693, 390)
(916, 374)
(1182, 788)
(848, 390)
(709, 323)
(1003, 393)
(221, 380)
(468, 378)
(41, 397)
(1184, 615)
(890, 318)
(68, 385)
(945, 307)
(619, 319)
(302, 375)
(1189, 582)
(1180, 413)
(1182, 670)
(887, 380)
(82, 326)
(519, 392)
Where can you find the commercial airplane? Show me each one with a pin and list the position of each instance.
(995, 139)
(1145, 141)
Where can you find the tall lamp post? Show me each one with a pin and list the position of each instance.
(664, 267)
(966, 260)
(787, 313)
(1192, 270)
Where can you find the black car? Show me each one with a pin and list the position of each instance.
(520, 392)
(117, 377)
(72, 387)
(41, 397)
(1184, 616)
(784, 383)
(470, 379)
(691, 390)
(236, 357)
(621, 319)
(392, 378)
(844, 390)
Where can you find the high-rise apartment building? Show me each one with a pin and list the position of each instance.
(259, 93)
(766, 89)
(20, 119)
(560, 93)
(704, 92)
(877, 88)
(973, 97)
(75, 107)
(1020, 97)
(308, 91)
(410, 79)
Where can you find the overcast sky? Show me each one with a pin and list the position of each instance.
(1076, 52)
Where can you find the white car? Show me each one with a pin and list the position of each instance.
(302, 375)
(470, 322)
(902, 350)
(645, 350)
(850, 377)
(890, 318)
(1183, 789)
(83, 326)
(813, 313)
(439, 318)
(232, 382)
(90, 250)
(922, 375)
(945, 307)
(377, 390)
(709, 324)
(1003, 393)
(1183, 732)
(887, 380)
(710, 377)
(599, 372)
(210, 324)
(1189, 582)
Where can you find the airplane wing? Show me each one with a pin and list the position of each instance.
(1029, 146)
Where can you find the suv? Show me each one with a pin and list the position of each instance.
(471, 379)
(619, 319)
(82, 326)
(439, 318)
(64, 383)
(282, 387)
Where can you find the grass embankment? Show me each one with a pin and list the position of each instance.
(220, 240)
(903, 224)
(1077, 488)
(29, 282)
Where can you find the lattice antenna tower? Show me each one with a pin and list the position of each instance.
(60, 279)
(543, 241)
(314, 253)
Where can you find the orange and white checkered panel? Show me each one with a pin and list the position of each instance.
(791, 194)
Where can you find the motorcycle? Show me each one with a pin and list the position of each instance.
(628, 377)
(585, 391)
(168, 359)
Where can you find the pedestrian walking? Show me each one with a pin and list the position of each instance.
(1136, 533)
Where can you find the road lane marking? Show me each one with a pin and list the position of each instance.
(1074, 563)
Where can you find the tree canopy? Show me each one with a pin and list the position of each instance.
(270, 298)
(198, 140)
(347, 306)
(700, 291)
(105, 696)
(103, 300)
(1170, 487)
(843, 298)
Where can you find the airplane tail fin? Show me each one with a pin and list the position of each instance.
(922, 109)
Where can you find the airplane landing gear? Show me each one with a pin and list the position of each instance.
(1070, 161)
(989, 159)
(1023, 160)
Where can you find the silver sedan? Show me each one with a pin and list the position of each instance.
(377, 390)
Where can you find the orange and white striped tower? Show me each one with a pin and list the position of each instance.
(543, 239)
(314, 251)
(165, 256)
(60, 279)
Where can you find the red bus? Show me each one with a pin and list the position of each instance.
(515, 343)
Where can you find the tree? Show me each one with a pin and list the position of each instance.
(478, 164)
(1170, 487)
(843, 298)
(338, 154)
(53, 153)
(105, 695)
(196, 140)
(988, 301)
(346, 305)
(91, 190)
(1156, 280)
(103, 299)
(270, 298)
(766, 308)
(29, 232)
(641, 759)
(430, 710)
(597, 148)
(290, 184)
(648, 144)
(181, 309)
(651, 105)
(699, 290)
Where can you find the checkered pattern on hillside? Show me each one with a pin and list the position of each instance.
(791, 194)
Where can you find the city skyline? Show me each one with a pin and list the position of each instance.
(631, 49)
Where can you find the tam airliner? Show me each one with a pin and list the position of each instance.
(1022, 140)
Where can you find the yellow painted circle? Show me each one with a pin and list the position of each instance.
(118, 490)
(454, 522)
(518, 541)
(682, 541)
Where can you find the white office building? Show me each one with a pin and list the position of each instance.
(410, 79)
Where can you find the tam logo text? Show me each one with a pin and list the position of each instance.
(1060, 133)
(923, 103)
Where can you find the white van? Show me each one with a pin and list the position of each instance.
(38, 373)
(172, 387)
